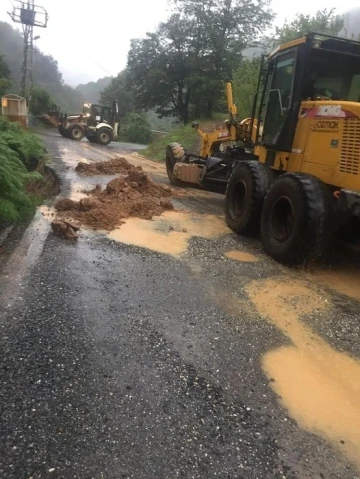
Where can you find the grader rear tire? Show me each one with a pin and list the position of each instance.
(297, 219)
(174, 153)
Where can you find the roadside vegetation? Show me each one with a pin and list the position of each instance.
(22, 157)
(135, 129)
(244, 75)
(179, 70)
(184, 134)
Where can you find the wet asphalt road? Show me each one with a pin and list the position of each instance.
(121, 362)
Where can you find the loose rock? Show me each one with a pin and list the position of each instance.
(67, 229)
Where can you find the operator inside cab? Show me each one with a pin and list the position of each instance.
(321, 88)
(329, 82)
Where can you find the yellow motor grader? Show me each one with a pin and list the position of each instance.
(293, 168)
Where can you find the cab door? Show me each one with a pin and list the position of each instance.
(278, 102)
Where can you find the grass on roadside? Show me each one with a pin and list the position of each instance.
(185, 135)
(20, 153)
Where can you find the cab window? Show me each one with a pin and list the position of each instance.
(278, 99)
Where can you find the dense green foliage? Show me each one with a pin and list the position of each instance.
(186, 135)
(160, 124)
(245, 76)
(136, 129)
(119, 89)
(4, 68)
(179, 70)
(5, 76)
(19, 153)
(40, 100)
(325, 21)
(244, 85)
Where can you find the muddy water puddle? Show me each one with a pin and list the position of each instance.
(169, 233)
(318, 385)
(344, 279)
(242, 256)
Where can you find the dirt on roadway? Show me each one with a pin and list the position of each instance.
(169, 347)
(132, 195)
(111, 167)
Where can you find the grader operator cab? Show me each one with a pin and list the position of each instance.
(98, 123)
(293, 168)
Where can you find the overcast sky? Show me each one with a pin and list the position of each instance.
(92, 42)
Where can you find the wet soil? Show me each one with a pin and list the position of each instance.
(134, 195)
(111, 167)
(46, 187)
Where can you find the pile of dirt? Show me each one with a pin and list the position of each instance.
(115, 166)
(132, 195)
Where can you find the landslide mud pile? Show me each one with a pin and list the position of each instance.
(115, 166)
(132, 195)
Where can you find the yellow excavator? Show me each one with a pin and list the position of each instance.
(292, 170)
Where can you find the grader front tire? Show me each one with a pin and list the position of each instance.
(244, 196)
(174, 153)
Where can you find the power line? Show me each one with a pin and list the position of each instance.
(98, 64)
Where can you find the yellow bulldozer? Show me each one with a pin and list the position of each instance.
(292, 170)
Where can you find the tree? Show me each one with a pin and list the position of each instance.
(40, 100)
(245, 81)
(223, 30)
(181, 68)
(137, 129)
(4, 68)
(325, 21)
(5, 74)
(160, 66)
(119, 90)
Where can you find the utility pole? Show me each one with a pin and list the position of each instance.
(30, 16)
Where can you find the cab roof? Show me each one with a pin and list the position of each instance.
(321, 41)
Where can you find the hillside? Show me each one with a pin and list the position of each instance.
(91, 91)
(45, 70)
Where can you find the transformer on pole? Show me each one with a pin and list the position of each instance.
(30, 16)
